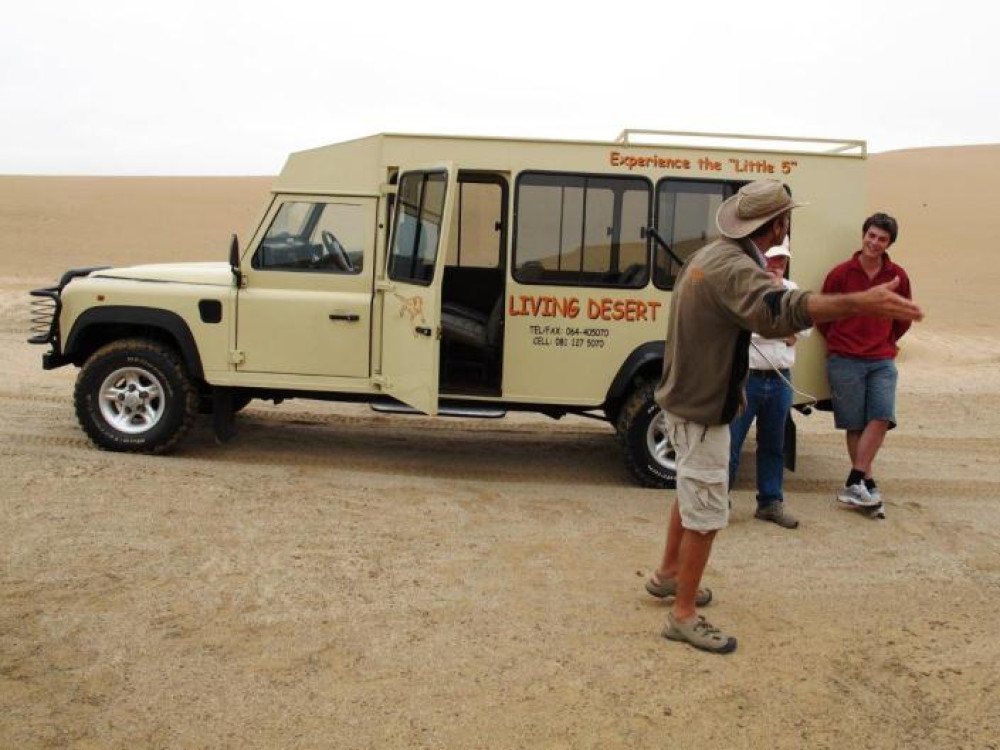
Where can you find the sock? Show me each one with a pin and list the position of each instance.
(870, 484)
(854, 477)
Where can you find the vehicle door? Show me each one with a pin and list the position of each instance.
(306, 306)
(411, 287)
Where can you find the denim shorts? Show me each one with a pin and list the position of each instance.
(862, 390)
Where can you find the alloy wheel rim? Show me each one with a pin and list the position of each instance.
(658, 445)
(132, 400)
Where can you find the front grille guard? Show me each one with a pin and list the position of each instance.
(45, 309)
(44, 323)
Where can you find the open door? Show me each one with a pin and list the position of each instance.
(411, 287)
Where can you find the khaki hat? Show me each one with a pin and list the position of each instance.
(753, 206)
(779, 250)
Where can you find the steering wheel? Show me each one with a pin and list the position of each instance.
(336, 251)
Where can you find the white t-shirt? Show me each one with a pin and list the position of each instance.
(781, 354)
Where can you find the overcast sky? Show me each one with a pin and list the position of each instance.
(230, 88)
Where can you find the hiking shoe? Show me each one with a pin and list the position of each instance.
(858, 496)
(668, 587)
(775, 513)
(699, 633)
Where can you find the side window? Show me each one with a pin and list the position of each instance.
(326, 237)
(685, 219)
(417, 228)
(476, 236)
(581, 230)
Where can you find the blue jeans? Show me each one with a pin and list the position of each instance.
(768, 400)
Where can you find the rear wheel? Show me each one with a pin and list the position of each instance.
(135, 396)
(648, 454)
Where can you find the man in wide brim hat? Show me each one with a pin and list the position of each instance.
(754, 205)
(722, 294)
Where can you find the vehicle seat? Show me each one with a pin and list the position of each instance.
(531, 271)
(464, 325)
(632, 275)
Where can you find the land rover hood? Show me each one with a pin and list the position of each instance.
(212, 274)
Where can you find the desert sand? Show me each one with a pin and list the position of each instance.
(337, 579)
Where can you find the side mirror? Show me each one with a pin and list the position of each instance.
(234, 260)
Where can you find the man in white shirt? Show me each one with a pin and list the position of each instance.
(769, 397)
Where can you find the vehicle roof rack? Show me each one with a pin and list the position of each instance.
(792, 144)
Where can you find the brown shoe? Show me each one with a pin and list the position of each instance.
(668, 587)
(700, 633)
(775, 513)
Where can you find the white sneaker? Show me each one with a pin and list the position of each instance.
(858, 496)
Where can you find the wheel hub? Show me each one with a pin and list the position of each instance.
(131, 400)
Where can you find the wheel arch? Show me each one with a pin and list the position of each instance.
(644, 363)
(101, 325)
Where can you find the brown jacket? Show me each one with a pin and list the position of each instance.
(722, 295)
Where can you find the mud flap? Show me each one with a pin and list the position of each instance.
(222, 414)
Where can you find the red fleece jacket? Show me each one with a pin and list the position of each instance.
(862, 336)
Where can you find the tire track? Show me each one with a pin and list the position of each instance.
(533, 456)
(19, 439)
(470, 455)
(35, 398)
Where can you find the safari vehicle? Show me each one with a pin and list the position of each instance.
(442, 275)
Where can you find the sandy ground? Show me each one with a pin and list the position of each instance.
(334, 578)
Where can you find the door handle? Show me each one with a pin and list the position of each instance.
(423, 330)
(349, 317)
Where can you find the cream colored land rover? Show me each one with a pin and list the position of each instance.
(444, 275)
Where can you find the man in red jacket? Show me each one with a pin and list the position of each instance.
(861, 360)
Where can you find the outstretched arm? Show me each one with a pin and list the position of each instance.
(880, 301)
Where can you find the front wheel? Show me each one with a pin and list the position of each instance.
(649, 456)
(135, 396)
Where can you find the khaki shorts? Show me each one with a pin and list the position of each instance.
(702, 472)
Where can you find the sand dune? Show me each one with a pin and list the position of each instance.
(48, 224)
(338, 579)
(946, 200)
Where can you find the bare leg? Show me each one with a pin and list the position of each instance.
(695, 547)
(672, 547)
(853, 436)
(868, 445)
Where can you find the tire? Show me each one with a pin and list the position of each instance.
(135, 396)
(641, 433)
